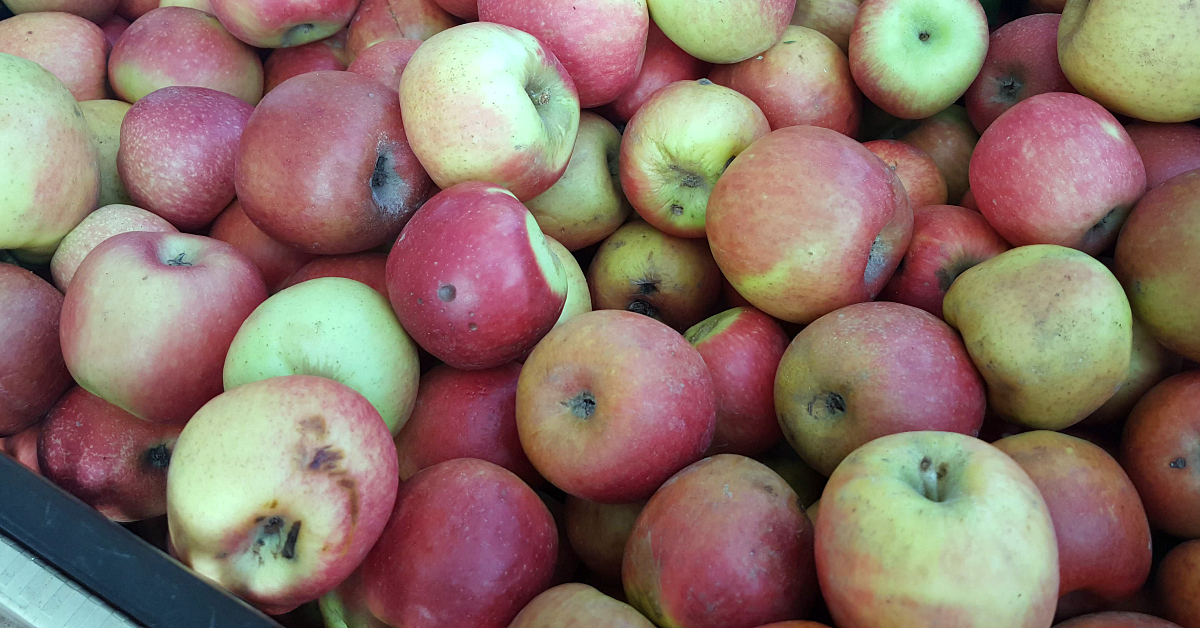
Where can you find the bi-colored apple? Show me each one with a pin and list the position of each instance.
(31, 365)
(722, 31)
(577, 604)
(97, 227)
(385, 61)
(1178, 584)
(283, 23)
(918, 172)
(276, 261)
(1022, 61)
(664, 63)
(70, 47)
(386, 20)
(949, 139)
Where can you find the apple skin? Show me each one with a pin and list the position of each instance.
(949, 139)
(587, 203)
(324, 165)
(1178, 584)
(664, 63)
(310, 457)
(1149, 364)
(463, 9)
(70, 47)
(668, 169)
(97, 227)
(1167, 150)
(946, 241)
(1022, 61)
(283, 23)
(385, 61)
(465, 414)
(194, 294)
(134, 9)
(369, 268)
(384, 20)
(803, 479)
(599, 533)
(832, 18)
(524, 109)
(22, 446)
(795, 624)
(1116, 619)
(601, 43)
(346, 605)
(325, 54)
(466, 248)
(742, 348)
(803, 79)
(721, 31)
(183, 46)
(577, 604)
(915, 60)
(466, 539)
(1157, 452)
(968, 202)
(611, 403)
(872, 369)
(92, 10)
(178, 146)
(830, 196)
(104, 118)
(641, 269)
(1020, 162)
(1102, 532)
(919, 174)
(113, 26)
(276, 261)
(31, 365)
(199, 5)
(723, 544)
(578, 300)
(106, 457)
(961, 564)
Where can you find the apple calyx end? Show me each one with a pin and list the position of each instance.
(582, 405)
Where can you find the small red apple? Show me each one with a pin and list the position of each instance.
(368, 268)
(1178, 584)
(276, 261)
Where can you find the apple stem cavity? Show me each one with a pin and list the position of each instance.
(1010, 87)
(931, 479)
(582, 405)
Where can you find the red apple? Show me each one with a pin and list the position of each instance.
(832, 18)
(1116, 619)
(610, 404)
(385, 61)
(723, 544)
(385, 20)
(834, 228)
(577, 604)
(803, 79)
(70, 47)
(183, 46)
(968, 201)
(31, 365)
(368, 268)
(283, 23)
(178, 146)
(333, 145)
(1166, 149)
(276, 261)
(1022, 159)
(664, 63)
(1022, 61)
(795, 624)
(472, 279)
(113, 26)
(742, 348)
(182, 297)
(599, 533)
(465, 9)
(1101, 527)
(466, 539)
(1178, 584)
(946, 241)
(326, 54)
(23, 446)
(134, 9)
(93, 10)
(106, 457)
(949, 138)
(1158, 453)
(922, 180)
(97, 227)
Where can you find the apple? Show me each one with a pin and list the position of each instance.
(1134, 60)
(918, 172)
(385, 20)
(577, 604)
(1046, 6)
(968, 202)
(346, 605)
(832, 18)
(31, 365)
(104, 118)
(578, 300)
(524, 110)
(722, 31)
(803, 79)
(472, 278)
(742, 348)
(1102, 532)
(95, 228)
(872, 369)
(466, 539)
(795, 624)
(70, 47)
(106, 457)
(955, 501)
(1166, 149)
(676, 148)
(464, 9)
(178, 146)
(134, 9)
(183, 46)
(834, 227)
(599, 533)
(348, 165)
(368, 268)
(803, 479)
(93, 10)
(1158, 455)
(22, 447)
(1116, 619)
(723, 544)
(1022, 61)
(309, 505)
(949, 138)
(664, 63)
(611, 403)
(324, 54)
(283, 23)
(182, 297)
(946, 241)
(56, 182)
(1157, 260)
(1049, 328)
(1022, 159)
(1178, 583)
(113, 26)
(641, 269)
(914, 60)
(200, 5)
(332, 327)
(465, 414)
(385, 61)
(276, 261)
(566, 563)
(587, 203)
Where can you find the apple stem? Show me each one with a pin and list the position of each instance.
(929, 480)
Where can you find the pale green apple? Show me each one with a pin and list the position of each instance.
(1050, 330)
(579, 298)
(336, 328)
(104, 118)
(722, 31)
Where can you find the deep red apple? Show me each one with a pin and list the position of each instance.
(664, 63)
(368, 268)
(1116, 619)
(23, 446)
(599, 532)
(385, 61)
(1166, 149)
(1178, 584)
(325, 54)
(385, 20)
(31, 364)
(949, 138)
(918, 171)
(276, 261)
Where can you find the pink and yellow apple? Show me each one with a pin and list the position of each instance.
(949, 139)
(283, 23)
(577, 604)
(387, 20)
(97, 227)
(385, 61)
(70, 47)
(93, 10)
(832, 18)
(918, 172)
(722, 31)
(664, 63)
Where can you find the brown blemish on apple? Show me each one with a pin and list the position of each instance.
(826, 406)
(350, 486)
(289, 545)
(582, 405)
(644, 308)
(325, 459)
(315, 424)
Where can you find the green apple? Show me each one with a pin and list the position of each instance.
(104, 118)
(722, 31)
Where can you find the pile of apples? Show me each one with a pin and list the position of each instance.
(618, 313)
